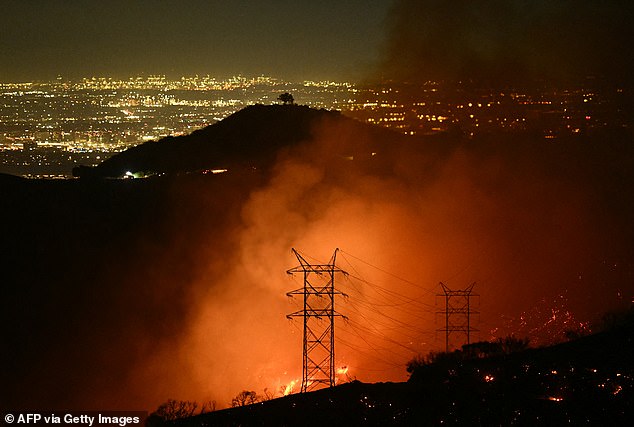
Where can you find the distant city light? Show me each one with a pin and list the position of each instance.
(47, 128)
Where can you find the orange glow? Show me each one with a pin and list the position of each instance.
(399, 235)
(458, 217)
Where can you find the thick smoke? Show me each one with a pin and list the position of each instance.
(509, 40)
(515, 219)
(178, 289)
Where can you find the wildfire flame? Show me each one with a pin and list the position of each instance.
(288, 388)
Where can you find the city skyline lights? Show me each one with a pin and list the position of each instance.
(61, 123)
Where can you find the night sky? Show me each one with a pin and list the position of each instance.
(297, 40)
(40, 39)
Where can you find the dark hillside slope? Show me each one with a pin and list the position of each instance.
(96, 274)
(588, 381)
(251, 137)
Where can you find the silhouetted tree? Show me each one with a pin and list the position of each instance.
(511, 344)
(617, 319)
(480, 349)
(268, 395)
(208, 406)
(433, 358)
(176, 409)
(286, 98)
(476, 350)
(245, 397)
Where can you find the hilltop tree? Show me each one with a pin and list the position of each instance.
(286, 98)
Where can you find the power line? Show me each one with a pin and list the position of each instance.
(416, 285)
(387, 293)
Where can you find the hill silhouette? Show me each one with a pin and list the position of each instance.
(249, 138)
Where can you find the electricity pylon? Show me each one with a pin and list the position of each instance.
(319, 320)
(457, 312)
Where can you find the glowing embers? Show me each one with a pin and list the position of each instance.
(548, 322)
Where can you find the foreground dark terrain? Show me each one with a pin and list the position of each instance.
(587, 381)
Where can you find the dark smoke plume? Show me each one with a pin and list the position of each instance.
(509, 40)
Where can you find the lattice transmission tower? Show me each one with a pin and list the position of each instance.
(319, 315)
(457, 312)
